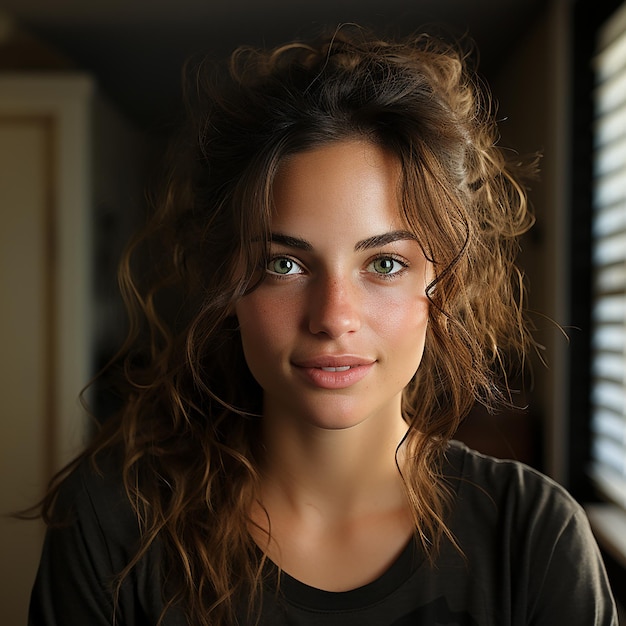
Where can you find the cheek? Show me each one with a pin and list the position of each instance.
(264, 324)
(403, 326)
(405, 317)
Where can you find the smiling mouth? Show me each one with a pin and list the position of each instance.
(322, 374)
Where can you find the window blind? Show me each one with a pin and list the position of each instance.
(608, 335)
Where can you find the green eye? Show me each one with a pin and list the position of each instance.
(283, 266)
(383, 266)
(386, 265)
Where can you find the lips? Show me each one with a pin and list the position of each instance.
(332, 361)
(334, 371)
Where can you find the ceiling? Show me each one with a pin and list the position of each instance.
(135, 48)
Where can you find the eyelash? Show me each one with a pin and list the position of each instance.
(390, 276)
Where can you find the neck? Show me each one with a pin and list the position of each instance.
(337, 472)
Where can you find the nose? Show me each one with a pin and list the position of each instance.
(334, 307)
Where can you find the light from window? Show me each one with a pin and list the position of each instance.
(608, 365)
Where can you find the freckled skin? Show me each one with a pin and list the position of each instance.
(345, 296)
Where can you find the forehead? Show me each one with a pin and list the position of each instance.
(348, 185)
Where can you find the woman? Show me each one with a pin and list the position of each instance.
(338, 232)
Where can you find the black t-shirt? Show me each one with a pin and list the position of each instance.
(528, 558)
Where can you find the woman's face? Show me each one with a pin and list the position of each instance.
(336, 329)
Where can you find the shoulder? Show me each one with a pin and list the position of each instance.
(526, 534)
(92, 535)
(508, 489)
(93, 498)
(94, 481)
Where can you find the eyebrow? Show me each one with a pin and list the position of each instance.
(375, 241)
(382, 240)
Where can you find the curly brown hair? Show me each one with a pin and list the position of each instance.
(189, 424)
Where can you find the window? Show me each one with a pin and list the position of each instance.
(597, 279)
(608, 323)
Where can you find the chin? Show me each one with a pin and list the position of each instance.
(337, 416)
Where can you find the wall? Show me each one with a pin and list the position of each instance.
(531, 87)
